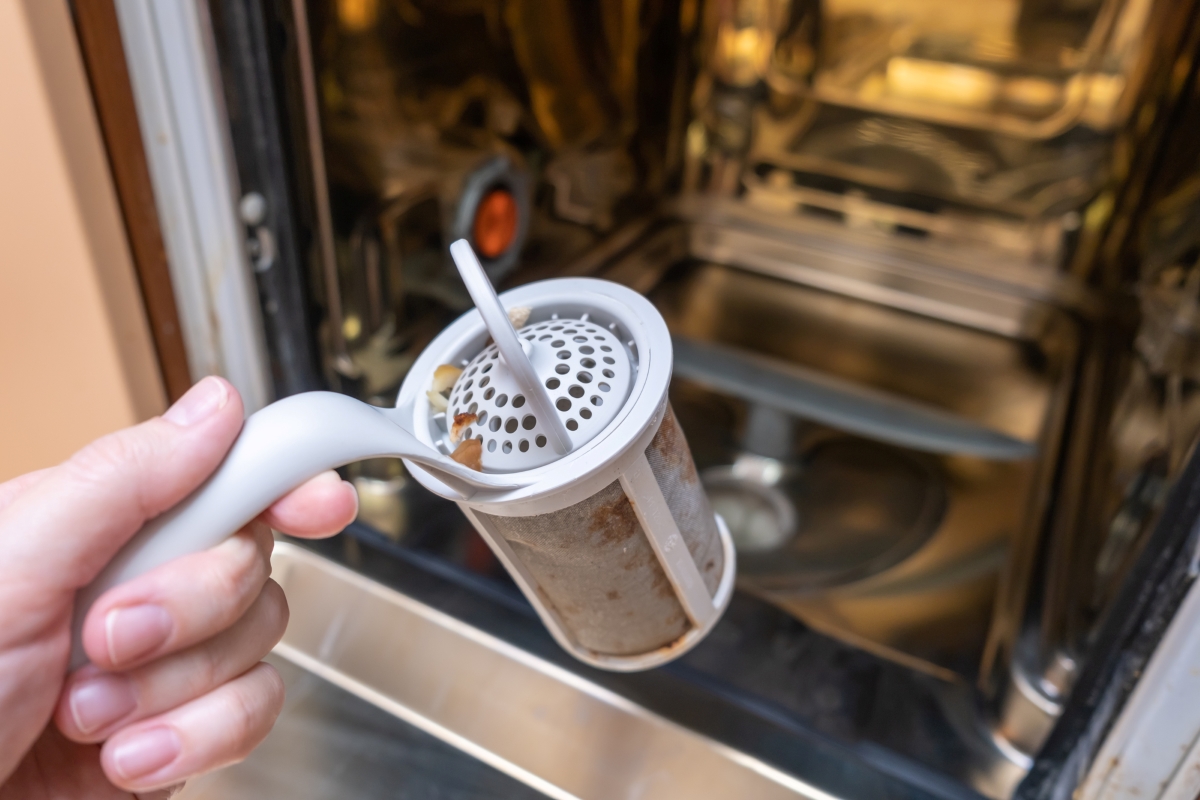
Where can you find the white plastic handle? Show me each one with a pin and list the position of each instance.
(279, 448)
(500, 327)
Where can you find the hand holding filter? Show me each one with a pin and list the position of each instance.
(589, 496)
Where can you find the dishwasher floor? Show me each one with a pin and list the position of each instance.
(330, 744)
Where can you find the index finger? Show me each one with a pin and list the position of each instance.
(320, 507)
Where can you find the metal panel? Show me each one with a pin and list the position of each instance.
(537, 722)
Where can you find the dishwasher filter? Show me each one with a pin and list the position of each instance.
(608, 532)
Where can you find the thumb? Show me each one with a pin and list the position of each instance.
(59, 533)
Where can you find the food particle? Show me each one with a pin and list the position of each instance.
(470, 454)
(461, 421)
(519, 316)
(438, 401)
(444, 377)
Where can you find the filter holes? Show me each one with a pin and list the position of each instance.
(557, 328)
(540, 441)
(570, 331)
(472, 372)
(473, 408)
(562, 369)
(511, 425)
(587, 362)
(529, 421)
(495, 424)
(584, 377)
(597, 400)
(563, 404)
(488, 368)
(563, 354)
(586, 413)
(489, 394)
(609, 360)
(491, 445)
(518, 401)
(572, 425)
(575, 391)
(544, 337)
(552, 383)
(580, 339)
(604, 387)
(467, 399)
(558, 343)
(600, 338)
(502, 399)
(608, 373)
(468, 433)
(523, 446)
(586, 350)
(486, 380)
(606, 348)
(506, 447)
(483, 415)
(469, 384)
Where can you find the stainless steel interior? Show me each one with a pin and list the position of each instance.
(914, 449)
(524, 717)
(934, 358)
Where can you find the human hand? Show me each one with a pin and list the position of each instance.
(176, 686)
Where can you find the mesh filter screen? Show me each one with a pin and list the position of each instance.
(671, 462)
(595, 567)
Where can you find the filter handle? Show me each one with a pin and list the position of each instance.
(483, 294)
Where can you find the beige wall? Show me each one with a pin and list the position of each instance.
(76, 358)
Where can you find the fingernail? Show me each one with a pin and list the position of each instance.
(200, 402)
(101, 701)
(328, 476)
(133, 632)
(145, 753)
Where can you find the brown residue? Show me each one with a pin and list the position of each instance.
(708, 565)
(671, 445)
(613, 595)
(461, 421)
(614, 522)
(469, 454)
(662, 586)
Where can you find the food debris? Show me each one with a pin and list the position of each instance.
(470, 454)
(519, 315)
(461, 421)
(444, 377)
(438, 400)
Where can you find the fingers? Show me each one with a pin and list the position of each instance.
(320, 507)
(91, 504)
(180, 603)
(94, 703)
(12, 489)
(220, 728)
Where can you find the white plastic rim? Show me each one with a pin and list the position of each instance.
(596, 463)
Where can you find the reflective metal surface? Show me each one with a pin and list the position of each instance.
(528, 718)
(328, 744)
(965, 423)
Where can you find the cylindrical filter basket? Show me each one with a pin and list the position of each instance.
(614, 543)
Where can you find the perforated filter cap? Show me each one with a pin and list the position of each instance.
(587, 371)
